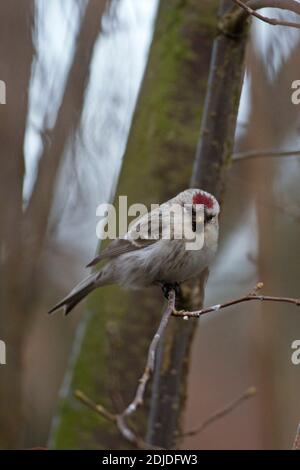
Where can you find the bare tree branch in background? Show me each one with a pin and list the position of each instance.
(125, 431)
(138, 442)
(240, 156)
(265, 19)
(227, 409)
(288, 5)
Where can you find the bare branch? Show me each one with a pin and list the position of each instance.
(288, 5)
(139, 396)
(251, 10)
(240, 156)
(99, 409)
(296, 444)
(120, 418)
(252, 296)
(249, 393)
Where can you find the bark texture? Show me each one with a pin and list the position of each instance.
(157, 164)
(211, 162)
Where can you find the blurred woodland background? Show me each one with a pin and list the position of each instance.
(74, 71)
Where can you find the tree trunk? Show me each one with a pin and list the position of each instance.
(157, 164)
(16, 52)
(212, 159)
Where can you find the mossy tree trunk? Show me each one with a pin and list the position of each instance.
(158, 163)
(212, 160)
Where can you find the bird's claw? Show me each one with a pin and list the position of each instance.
(167, 287)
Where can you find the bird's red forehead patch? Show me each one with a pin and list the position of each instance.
(201, 198)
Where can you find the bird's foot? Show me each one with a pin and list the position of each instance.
(167, 287)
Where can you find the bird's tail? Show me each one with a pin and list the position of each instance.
(77, 294)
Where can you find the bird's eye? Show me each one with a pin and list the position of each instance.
(208, 217)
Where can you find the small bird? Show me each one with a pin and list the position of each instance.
(145, 257)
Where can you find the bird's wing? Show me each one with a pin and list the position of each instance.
(142, 232)
(117, 247)
(164, 222)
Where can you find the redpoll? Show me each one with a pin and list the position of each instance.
(145, 256)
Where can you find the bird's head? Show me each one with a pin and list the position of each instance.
(196, 197)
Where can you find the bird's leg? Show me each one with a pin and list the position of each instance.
(167, 286)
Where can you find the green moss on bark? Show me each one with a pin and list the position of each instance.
(157, 164)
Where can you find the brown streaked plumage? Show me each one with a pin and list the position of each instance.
(136, 262)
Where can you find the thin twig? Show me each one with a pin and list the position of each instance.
(99, 409)
(252, 296)
(139, 396)
(292, 6)
(265, 19)
(120, 418)
(240, 156)
(296, 444)
(249, 393)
